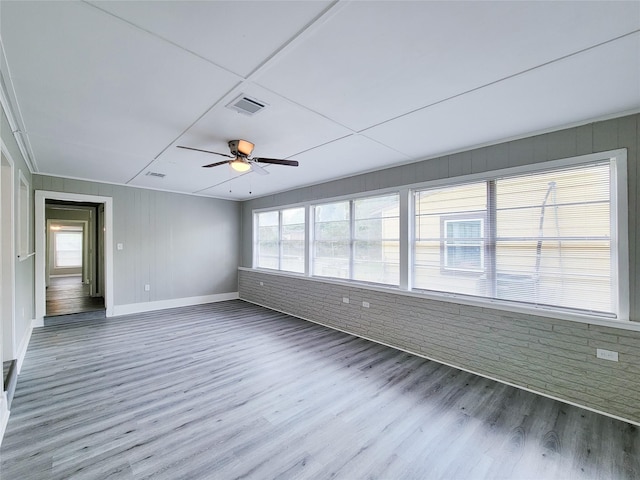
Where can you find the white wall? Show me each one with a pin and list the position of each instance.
(24, 269)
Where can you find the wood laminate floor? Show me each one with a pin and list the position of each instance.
(67, 295)
(233, 390)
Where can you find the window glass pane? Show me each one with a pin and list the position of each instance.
(268, 247)
(332, 240)
(553, 244)
(377, 239)
(450, 239)
(68, 249)
(281, 246)
(293, 240)
(464, 245)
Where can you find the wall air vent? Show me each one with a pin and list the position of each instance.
(246, 105)
(155, 174)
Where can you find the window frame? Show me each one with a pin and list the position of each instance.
(462, 217)
(617, 160)
(55, 248)
(353, 239)
(256, 238)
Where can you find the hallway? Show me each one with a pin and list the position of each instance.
(66, 295)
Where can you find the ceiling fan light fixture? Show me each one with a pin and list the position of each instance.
(240, 165)
(241, 147)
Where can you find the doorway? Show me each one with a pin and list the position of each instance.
(73, 254)
(73, 270)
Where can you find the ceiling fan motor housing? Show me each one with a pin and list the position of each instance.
(240, 148)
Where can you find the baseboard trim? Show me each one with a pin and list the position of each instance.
(569, 402)
(22, 349)
(173, 303)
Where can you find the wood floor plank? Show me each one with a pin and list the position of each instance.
(68, 294)
(233, 390)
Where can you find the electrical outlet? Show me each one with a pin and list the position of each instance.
(120, 246)
(345, 299)
(607, 354)
(147, 287)
(365, 304)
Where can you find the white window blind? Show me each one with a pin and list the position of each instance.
(332, 240)
(553, 238)
(449, 247)
(280, 241)
(376, 256)
(68, 249)
(541, 238)
(268, 241)
(292, 240)
(358, 240)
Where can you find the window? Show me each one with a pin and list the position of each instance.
(68, 249)
(553, 241)
(546, 237)
(358, 240)
(464, 245)
(332, 240)
(280, 240)
(449, 238)
(521, 238)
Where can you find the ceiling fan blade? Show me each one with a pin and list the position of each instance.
(205, 151)
(258, 169)
(276, 161)
(215, 164)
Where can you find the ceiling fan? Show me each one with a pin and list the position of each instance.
(241, 160)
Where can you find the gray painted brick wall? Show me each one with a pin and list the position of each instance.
(550, 356)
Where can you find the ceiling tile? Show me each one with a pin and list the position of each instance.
(601, 81)
(87, 78)
(280, 130)
(373, 61)
(183, 172)
(238, 36)
(83, 161)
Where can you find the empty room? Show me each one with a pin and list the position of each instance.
(320, 239)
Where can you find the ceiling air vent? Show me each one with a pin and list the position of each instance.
(246, 105)
(155, 174)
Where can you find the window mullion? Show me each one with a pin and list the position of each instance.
(308, 235)
(407, 237)
(280, 240)
(352, 230)
(490, 244)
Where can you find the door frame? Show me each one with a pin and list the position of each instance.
(41, 196)
(8, 255)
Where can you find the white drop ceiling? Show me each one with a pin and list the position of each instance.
(105, 91)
